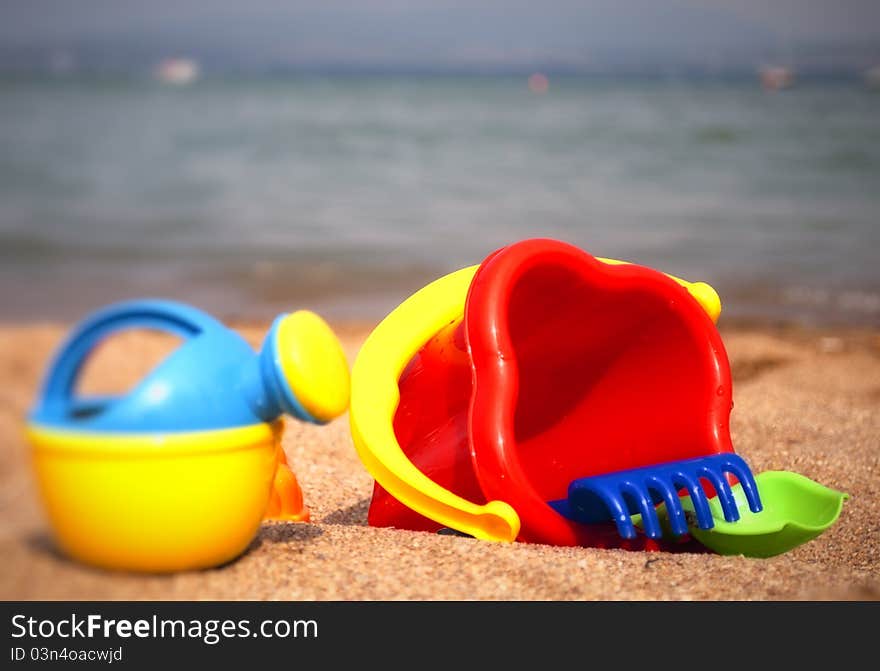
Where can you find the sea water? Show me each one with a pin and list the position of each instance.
(253, 195)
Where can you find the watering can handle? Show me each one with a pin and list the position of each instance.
(168, 316)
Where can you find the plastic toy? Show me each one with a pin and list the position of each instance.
(622, 493)
(178, 473)
(485, 396)
(798, 510)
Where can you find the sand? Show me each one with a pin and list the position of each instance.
(804, 401)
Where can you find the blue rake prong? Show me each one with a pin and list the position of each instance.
(619, 495)
(674, 511)
(725, 494)
(593, 505)
(698, 497)
(619, 513)
(737, 467)
(642, 498)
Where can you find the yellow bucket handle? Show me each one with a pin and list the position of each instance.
(375, 396)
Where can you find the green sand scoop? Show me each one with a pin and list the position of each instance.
(796, 510)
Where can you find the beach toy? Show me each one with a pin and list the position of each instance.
(482, 397)
(487, 398)
(796, 510)
(178, 473)
(623, 494)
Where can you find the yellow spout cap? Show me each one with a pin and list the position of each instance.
(314, 364)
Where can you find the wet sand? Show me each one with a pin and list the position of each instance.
(805, 401)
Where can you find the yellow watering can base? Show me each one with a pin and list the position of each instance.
(375, 397)
(156, 503)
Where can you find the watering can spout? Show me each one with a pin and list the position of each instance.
(301, 371)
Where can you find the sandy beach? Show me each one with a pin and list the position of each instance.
(805, 401)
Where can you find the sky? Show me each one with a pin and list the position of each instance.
(442, 32)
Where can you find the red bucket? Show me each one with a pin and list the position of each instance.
(561, 366)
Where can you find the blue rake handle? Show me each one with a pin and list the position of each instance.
(621, 494)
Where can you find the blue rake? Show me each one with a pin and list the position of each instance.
(621, 494)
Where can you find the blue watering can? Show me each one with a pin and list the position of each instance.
(213, 380)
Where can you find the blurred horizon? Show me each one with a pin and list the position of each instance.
(687, 37)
